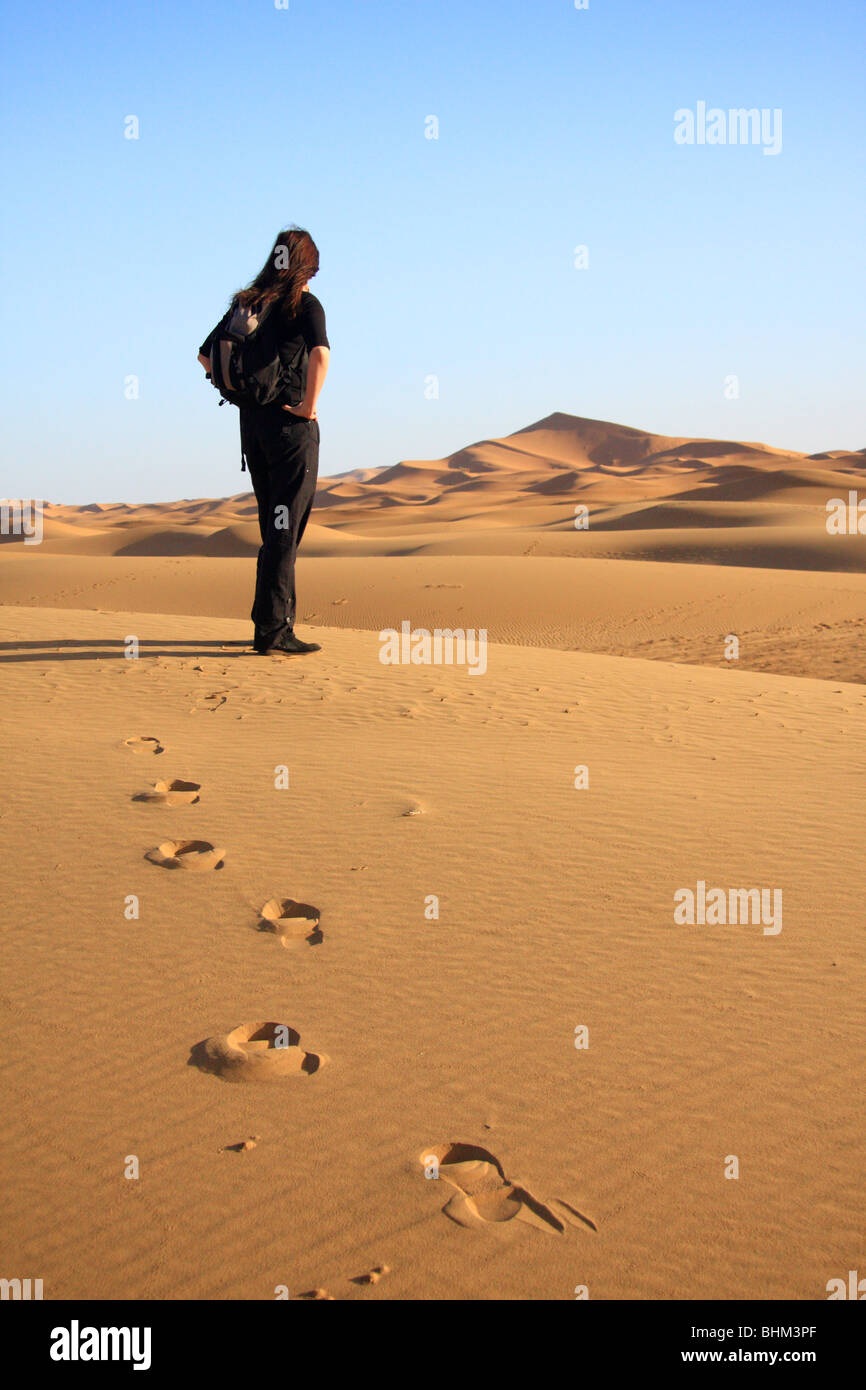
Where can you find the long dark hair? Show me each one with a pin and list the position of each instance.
(293, 261)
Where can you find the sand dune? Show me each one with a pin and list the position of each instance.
(471, 522)
(364, 981)
(798, 623)
(533, 478)
(448, 1042)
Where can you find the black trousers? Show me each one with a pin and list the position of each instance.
(282, 454)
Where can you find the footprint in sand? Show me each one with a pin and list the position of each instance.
(412, 808)
(174, 793)
(209, 704)
(196, 855)
(256, 1052)
(484, 1195)
(243, 1145)
(337, 601)
(373, 1275)
(291, 922)
(143, 743)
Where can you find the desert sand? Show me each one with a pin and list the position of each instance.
(240, 1044)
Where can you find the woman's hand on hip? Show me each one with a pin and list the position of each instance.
(306, 411)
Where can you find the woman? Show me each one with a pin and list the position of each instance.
(281, 441)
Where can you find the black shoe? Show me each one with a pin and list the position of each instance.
(263, 638)
(287, 644)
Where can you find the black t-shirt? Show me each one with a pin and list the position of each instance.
(290, 335)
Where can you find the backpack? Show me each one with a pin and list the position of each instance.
(245, 363)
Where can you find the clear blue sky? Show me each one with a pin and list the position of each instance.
(449, 257)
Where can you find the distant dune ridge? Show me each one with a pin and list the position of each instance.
(485, 497)
(720, 536)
